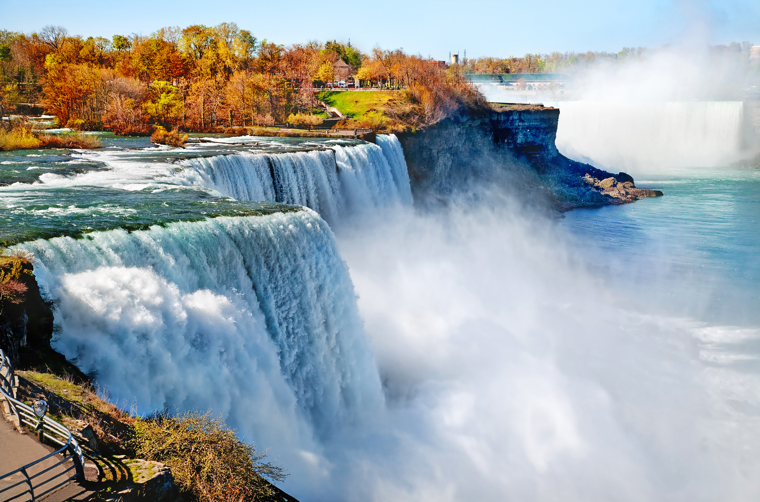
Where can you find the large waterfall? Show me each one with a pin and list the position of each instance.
(650, 136)
(459, 353)
(250, 316)
(333, 181)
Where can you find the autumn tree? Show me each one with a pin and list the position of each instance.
(325, 73)
(124, 112)
(121, 43)
(75, 93)
(165, 105)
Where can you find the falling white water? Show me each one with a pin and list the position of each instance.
(255, 317)
(334, 182)
(642, 121)
(650, 136)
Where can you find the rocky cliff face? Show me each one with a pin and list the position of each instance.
(26, 321)
(515, 146)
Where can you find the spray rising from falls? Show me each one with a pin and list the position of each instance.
(648, 136)
(334, 181)
(252, 316)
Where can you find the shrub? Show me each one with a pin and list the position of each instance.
(21, 137)
(303, 119)
(209, 462)
(12, 290)
(76, 124)
(171, 138)
(18, 138)
(69, 140)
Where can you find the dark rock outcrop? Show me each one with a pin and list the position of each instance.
(513, 145)
(26, 320)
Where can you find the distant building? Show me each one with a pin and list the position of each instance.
(754, 52)
(455, 59)
(343, 70)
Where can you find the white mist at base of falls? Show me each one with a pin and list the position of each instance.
(254, 317)
(516, 368)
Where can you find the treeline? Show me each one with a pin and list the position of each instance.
(735, 54)
(198, 78)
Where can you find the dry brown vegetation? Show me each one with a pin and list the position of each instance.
(171, 138)
(209, 462)
(21, 137)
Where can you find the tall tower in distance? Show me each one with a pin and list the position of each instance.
(455, 59)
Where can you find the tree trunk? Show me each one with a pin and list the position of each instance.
(203, 112)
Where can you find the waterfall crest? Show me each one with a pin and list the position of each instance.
(259, 310)
(334, 182)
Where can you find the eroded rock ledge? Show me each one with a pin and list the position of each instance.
(514, 146)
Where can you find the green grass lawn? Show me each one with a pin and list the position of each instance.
(356, 103)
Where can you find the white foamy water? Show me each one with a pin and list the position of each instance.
(334, 182)
(254, 317)
(337, 181)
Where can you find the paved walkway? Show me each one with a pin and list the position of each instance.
(18, 449)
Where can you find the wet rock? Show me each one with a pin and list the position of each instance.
(619, 192)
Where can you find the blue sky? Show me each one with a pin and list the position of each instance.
(432, 28)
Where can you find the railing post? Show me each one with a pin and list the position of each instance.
(77, 463)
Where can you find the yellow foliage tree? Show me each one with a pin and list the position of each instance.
(165, 105)
(326, 73)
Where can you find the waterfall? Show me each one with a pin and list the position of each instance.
(254, 316)
(651, 136)
(334, 182)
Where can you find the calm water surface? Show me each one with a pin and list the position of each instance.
(696, 249)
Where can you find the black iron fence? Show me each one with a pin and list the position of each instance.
(66, 467)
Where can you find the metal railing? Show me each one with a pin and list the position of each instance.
(35, 485)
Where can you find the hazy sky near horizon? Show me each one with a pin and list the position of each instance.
(429, 28)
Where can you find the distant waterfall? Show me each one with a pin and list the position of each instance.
(651, 136)
(253, 316)
(333, 182)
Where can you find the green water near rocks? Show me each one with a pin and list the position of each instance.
(129, 184)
